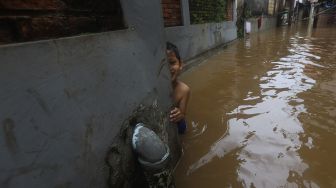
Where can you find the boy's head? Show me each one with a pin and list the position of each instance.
(174, 60)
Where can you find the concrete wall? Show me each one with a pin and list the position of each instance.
(266, 23)
(193, 40)
(65, 104)
(325, 20)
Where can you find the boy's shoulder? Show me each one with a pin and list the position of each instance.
(182, 87)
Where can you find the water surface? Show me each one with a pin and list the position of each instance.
(263, 113)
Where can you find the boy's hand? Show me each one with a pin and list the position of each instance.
(176, 115)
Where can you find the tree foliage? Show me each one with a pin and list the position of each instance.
(207, 11)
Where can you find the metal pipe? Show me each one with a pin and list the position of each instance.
(153, 156)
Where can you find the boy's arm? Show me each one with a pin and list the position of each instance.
(184, 101)
(177, 114)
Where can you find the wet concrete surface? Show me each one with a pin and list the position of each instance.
(263, 113)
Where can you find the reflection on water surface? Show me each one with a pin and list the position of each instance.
(262, 113)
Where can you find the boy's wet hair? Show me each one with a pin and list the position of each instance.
(172, 47)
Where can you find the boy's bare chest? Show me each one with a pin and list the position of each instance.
(178, 95)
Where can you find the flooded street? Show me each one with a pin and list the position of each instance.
(263, 113)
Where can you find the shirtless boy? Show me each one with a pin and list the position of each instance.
(181, 91)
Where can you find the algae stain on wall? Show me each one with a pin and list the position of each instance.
(9, 135)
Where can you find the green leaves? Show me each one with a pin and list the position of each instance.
(207, 11)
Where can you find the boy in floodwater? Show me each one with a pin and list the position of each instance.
(181, 91)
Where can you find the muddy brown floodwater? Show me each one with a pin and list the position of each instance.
(263, 113)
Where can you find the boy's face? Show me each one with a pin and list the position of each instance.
(175, 66)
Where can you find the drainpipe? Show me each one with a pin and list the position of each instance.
(153, 156)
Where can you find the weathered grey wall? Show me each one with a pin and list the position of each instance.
(63, 102)
(193, 40)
